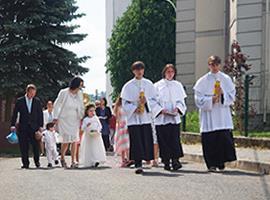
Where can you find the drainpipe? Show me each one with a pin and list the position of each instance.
(226, 27)
(266, 67)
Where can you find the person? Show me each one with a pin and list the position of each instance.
(121, 134)
(214, 94)
(171, 98)
(112, 126)
(48, 113)
(50, 139)
(29, 110)
(138, 99)
(68, 112)
(104, 114)
(92, 150)
(156, 147)
(47, 118)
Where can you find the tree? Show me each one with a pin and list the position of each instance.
(31, 37)
(145, 32)
(236, 66)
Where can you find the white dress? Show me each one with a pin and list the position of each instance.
(92, 149)
(69, 110)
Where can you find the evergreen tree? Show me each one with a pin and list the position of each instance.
(145, 32)
(32, 35)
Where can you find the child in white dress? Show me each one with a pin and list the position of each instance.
(50, 139)
(92, 150)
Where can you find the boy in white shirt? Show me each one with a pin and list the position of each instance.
(50, 140)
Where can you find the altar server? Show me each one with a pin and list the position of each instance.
(214, 94)
(138, 99)
(171, 97)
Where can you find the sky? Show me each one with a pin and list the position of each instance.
(94, 44)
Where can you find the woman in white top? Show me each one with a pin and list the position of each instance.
(214, 94)
(68, 112)
(171, 98)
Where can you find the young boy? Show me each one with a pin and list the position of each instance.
(50, 139)
(138, 99)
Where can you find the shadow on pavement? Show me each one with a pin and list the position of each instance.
(184, 171)
(239, 173)
(160, 174)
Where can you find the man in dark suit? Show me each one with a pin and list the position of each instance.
(28, 109)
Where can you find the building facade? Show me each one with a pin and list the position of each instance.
(209, 27)
(114, 10)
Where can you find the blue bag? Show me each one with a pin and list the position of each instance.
(13, 138)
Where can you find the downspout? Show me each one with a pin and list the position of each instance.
(266, 66)
(226, 28)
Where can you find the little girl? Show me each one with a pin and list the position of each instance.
(121, 135)
(50, 139)
(92, 150)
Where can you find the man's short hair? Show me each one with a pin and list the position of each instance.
(31, 87)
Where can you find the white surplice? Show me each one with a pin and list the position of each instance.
(171, 95)
(214, 116)
(130, 101)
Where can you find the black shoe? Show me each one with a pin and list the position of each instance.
(50, 165)
(24, 167)
(96, 164)
(37, 164)
(176, 165)
(139, 170)
(221, 167)
(56, 162)
(212, 169)
(167, 167)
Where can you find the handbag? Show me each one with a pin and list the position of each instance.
(12, 138)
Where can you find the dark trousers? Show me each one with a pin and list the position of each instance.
(106, 141)
(26, 137)
(169, 142)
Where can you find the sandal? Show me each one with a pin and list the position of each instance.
(74, 165)
(63, 163)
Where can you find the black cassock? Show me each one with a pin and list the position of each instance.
(218, 147)
(169, 142)
(141, 143)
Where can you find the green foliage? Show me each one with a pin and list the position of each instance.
(146, 32)
(192, 122)
(31, 37)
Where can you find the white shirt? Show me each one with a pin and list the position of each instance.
(28, 103)
(47, 117)
(50, 139)
(214, 116)
(130, 101)
(171, 95)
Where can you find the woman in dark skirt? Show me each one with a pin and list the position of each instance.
(171, 98)
(104, 114)
(214, 94)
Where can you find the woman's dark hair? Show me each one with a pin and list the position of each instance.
(105, 101)
(166, 68)
(214, 60)
(137, 65)
(91, 105)
(75, 83)
(49, 125)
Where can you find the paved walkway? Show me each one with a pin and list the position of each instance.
(110, 182)
(249, 154)
(247, 158)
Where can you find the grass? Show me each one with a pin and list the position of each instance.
(193, 125)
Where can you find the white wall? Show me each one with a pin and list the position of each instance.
(114, 10)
